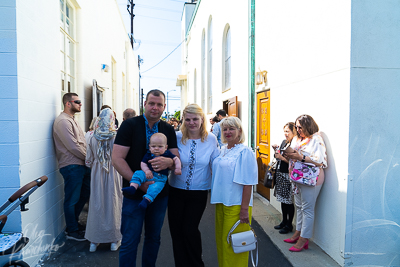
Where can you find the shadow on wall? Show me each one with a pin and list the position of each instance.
(330, 207)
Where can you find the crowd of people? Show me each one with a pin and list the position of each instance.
(135, 172)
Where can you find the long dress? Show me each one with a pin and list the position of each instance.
(105, 204)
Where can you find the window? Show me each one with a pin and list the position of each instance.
(195, 86)
(124, 96)
(203, 70)
(114, 82)
(227, 60)
(209, 68)
(67, 47)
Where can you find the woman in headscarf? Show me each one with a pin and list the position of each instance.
(105, 204)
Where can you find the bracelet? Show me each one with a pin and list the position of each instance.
(304, 158)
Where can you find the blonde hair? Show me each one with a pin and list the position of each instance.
(193, 109)
(232, 122)
(91, 126)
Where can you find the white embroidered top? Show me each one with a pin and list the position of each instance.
(233, 169)
(196, 158)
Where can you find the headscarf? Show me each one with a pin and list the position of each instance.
(104, 130)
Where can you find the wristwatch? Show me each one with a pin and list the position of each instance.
(304, 158)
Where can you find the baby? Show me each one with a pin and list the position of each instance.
(157, 147)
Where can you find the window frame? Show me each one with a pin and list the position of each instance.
(227, 59)
(203, 70)
(68, 58)
(209, 66)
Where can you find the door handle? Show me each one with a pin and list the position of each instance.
(258, 150)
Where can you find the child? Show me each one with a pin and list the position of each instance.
(157, 147)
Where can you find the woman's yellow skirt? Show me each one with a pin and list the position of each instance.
(225, 218)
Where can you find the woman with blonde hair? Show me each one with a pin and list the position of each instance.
(234, 174)
(189, 191)
(89, 133)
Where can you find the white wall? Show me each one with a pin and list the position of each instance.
(305, 47)
(102, 36)
(222, 13)
(337, 61)
(372, 230)
(30, 86)
(39, 94)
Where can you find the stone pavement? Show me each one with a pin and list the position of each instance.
(272, 250)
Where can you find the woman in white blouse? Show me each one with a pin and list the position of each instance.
(189, 191)
(234, 174)
(308, 147)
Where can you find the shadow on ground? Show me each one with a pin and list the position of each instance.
(74, 253)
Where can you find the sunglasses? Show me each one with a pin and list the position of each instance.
(298, 127)
(76, 101)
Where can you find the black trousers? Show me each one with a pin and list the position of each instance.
(185, 209)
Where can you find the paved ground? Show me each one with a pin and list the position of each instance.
(75, 253)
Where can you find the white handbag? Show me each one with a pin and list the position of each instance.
(243, 242)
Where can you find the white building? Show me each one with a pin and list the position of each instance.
(48, 48)
(338, 61)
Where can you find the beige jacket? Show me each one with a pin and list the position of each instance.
(69, 141)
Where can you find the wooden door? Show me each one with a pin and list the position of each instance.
(233, 107)
(262, 142)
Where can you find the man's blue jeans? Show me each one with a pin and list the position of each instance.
(76, 193)
(131, 229)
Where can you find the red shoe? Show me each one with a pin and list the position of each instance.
(305, 246)
(290, 240)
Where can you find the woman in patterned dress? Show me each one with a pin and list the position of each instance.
(283, 192)
(189, 191)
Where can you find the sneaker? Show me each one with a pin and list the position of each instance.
(81, 227)
(115, 245)
(93, 247)
(77, 236)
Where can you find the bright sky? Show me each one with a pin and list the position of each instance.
(157, 24)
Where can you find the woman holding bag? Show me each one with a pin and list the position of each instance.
(308, 148)
(233, 177)
(283, 186)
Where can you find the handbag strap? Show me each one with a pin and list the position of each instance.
(252, 257)
(228, 239)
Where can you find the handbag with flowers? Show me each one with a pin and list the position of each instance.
(305, 173)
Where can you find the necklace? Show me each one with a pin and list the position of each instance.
(227, 150)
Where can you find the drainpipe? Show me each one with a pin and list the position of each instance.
(251, 68)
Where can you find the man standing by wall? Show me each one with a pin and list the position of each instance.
(221, 114)
(130, 146)
(70, 145)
